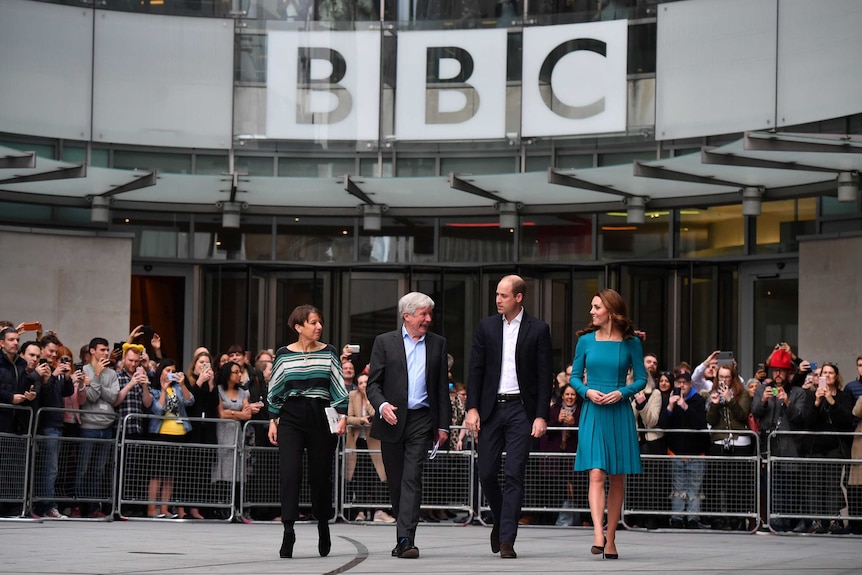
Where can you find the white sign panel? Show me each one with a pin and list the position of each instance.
(323, 85)
(451, 85)
(574, 79)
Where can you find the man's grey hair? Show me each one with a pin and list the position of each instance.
(409, 303)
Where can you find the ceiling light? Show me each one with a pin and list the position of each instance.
(100, 211)
(230, 215)
(635, 209)
(848, 186)
(372, 217)
(508, 215)
(751, 200)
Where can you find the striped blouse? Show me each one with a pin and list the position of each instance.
(316, 374)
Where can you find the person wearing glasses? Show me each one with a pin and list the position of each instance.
(727, 416)
(306, 379)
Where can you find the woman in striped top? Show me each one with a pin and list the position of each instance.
(306, 378)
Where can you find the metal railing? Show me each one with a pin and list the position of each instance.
(125, 474)
(807, 487)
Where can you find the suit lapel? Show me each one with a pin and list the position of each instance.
(398, 341)
(523, 332)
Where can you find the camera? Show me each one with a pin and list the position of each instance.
(65, 360)
(42, 361)
(173, 377)
(353, 348)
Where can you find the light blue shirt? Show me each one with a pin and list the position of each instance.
(417, 392)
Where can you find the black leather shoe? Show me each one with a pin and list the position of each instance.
(507, 551)
(406, 550)
(287, 541)
(495, 538)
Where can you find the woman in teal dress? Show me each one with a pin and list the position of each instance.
(607, 440)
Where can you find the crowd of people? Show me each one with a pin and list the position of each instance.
(786, 394)
(613, 404)
(91, 400)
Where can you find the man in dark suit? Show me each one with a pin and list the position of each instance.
(408, 387)
(508, 399)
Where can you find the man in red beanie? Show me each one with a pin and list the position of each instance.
(780, 408)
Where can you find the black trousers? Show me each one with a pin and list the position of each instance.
(508, 429)
(404, 461)
(303, 427)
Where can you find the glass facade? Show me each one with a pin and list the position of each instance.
(683, 258)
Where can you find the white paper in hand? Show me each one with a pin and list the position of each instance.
(332, 417)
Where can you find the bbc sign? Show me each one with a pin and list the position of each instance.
(450, 85)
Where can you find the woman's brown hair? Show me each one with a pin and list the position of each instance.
(301, 313)
(616, 306)
(736, 386)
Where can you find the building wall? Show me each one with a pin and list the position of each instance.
(830, 301)
(77, 285)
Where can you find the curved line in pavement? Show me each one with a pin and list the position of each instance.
(361, 555)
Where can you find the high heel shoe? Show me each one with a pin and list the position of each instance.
(324, 542)
(607, 555)
(599, 550)
(287, 541)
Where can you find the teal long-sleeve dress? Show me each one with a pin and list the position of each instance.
(607, 437)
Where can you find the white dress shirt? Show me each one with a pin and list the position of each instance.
(508, 372)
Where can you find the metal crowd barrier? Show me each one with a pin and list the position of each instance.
(551, 485)
(83, 469)
(729, 485)
(804, 487)
(242, 477)
(15, 467)
(260, 490)
(199, 475)
(447, 481)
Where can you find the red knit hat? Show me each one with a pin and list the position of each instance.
(781, 360)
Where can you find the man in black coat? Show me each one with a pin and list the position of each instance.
(508, 399)
(409, 389)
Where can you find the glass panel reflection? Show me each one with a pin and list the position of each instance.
(563, 237)
(400, 240)
(711, 232)
(618, 239)
(316, 167)
(478, 239)
(315, 240)
(781, 222)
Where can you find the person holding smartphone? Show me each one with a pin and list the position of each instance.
(779, 407)
(170, 399)
(727, 416)
(200, 380)
(832, 413)
(686, 410)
